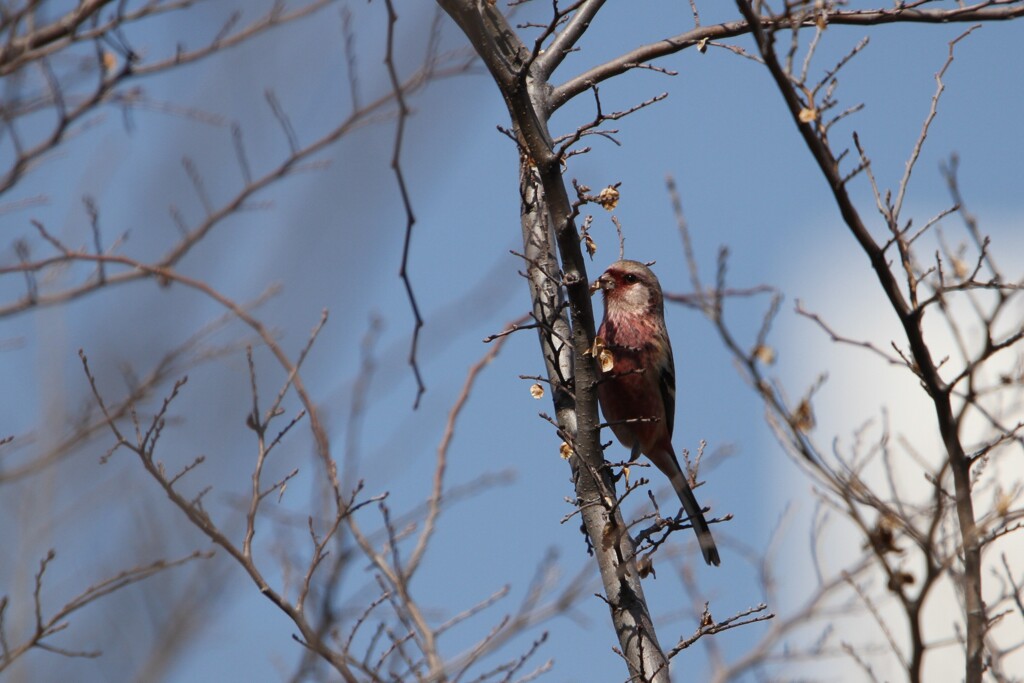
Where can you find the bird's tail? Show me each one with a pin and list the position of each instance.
(693, 511)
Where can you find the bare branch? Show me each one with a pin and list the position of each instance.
(410, 217)
(985, 10)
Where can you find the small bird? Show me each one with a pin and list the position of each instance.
(638, 390)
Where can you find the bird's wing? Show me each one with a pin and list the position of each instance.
(667, 385)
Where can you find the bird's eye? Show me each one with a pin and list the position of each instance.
(630, 278)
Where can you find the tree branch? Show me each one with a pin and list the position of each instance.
(548, 223)
(701, 35)
(910, 320)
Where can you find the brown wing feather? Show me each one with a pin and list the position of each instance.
(667, 385)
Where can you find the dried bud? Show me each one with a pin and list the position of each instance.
(608, 198)
(604, 357)
(883, 536)
(959, 268)
(765, 354)
(565, 450)
(803, 417)
(808, 114)
(645, 565)
(900, 579)
(1003, 502)
(109, 62)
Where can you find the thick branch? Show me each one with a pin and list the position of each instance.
(910, 319)
(981, 11)
(567, 39)
(548, 221)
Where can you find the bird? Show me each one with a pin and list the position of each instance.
(637, 390)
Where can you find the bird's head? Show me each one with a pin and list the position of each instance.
(630, 287)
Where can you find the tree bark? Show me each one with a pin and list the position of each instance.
(562, 304)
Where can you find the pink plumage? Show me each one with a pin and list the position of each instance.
(638, 393)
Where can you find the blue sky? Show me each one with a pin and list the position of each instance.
(332, 238)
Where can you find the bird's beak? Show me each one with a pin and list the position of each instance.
(603, 283)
